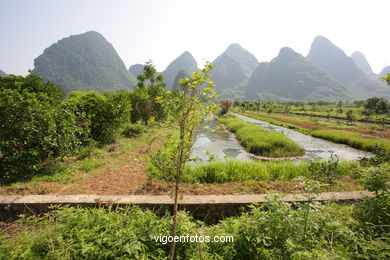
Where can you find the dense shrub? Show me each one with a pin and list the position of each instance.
(32, 128)
(37, 125)
(32, 84)
(101, 114)
(374, 213)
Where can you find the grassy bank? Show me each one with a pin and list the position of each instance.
(355, 140)
(260, 141)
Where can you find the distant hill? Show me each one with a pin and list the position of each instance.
(384, 71)
(136, 69)
(362, 63)
(2, 73)
(233, 68)
(180, 75)
(338, 65)
(292, 76)
(84, 62)
(185, 62)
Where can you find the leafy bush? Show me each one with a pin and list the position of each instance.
(259, 141)
(101, 114)
(133, 130)
(32, 84)
(32, 131)
(374, 213)
(326, 171)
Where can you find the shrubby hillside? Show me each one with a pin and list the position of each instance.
(84, 62)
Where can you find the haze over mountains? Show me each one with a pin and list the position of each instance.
(2, 73)
(88, 61)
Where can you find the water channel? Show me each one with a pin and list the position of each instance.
(223, 144)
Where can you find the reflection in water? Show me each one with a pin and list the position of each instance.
(223, 144)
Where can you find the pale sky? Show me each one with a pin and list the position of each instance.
(161, 30)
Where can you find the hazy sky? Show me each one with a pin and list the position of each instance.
(161, 30)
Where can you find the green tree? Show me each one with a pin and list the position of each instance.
(190, 109)
(350, 116)
(387, 78)
(147, 99)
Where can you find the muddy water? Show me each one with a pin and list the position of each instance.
(221, 144)
(224, 145)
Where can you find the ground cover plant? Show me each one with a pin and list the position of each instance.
(260, 141)
(275, 230)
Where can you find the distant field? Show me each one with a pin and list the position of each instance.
(358, 135)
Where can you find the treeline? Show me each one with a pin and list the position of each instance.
(39, 123)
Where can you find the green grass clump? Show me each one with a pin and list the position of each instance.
(352, 139)
(260, 141)
(240, 171)
(90, 164)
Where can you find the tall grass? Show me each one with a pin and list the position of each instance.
(260, 141)
(239, 171)
(352, 139)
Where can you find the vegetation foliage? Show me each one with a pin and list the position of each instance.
(274, 230)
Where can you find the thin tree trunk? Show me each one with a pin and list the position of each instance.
(175, 206)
